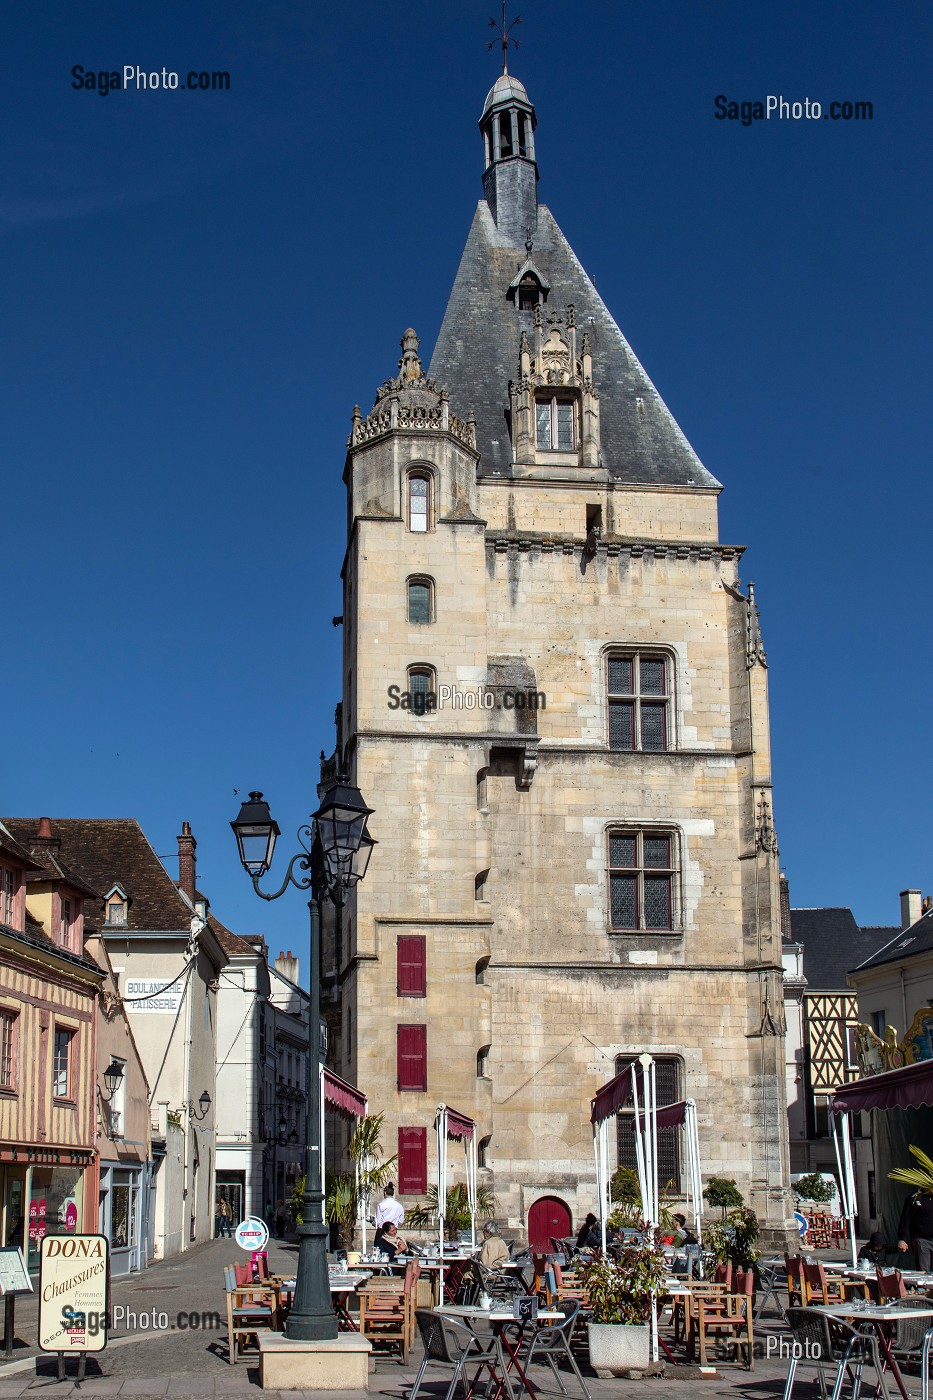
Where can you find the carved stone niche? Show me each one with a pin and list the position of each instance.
(553, 360)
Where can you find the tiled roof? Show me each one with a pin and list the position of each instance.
(902, 943)
(11, 847)
(35, 936)
(233, 945)
(832, 945)
(104, 851)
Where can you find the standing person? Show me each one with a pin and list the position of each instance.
(224, 1221)
(388, 1210)
(281, 1220)
(916, 1226)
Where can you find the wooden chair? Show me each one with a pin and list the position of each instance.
(890, 1285)
(249, 1310)
(793, 1267)
(728, 1316)
(410, 1295)
(686, 1306)
(383, 1317)
(817, 1288)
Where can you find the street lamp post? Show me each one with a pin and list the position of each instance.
(335, 851)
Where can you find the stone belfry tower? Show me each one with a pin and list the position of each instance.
(555, 697)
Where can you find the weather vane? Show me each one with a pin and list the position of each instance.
(505, 37)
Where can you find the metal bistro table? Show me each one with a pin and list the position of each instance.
(499, 1320)
(877, 1314)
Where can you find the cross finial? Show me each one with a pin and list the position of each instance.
(505, 37)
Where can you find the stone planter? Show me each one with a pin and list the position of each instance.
(619, 1346)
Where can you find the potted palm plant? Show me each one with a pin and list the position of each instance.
(344, 1192)
(457, 1210)
(620, 1294)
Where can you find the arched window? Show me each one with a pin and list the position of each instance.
(482, 1062)
(420, 600)
(422, 690)
(482, 1152)
(479, 884)
(419, 502)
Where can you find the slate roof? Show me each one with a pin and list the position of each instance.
(104, 851)
(477, 354)
(233, 945)
(902, 943)
(832, 945)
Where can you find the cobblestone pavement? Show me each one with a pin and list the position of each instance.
(180, 1362)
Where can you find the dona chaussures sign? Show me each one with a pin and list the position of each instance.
(73, 1275)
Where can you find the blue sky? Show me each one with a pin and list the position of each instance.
(199, 287)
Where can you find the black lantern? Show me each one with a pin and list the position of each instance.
(340, 822)
(283, 1127)
(113, 1075)
(204, 1103)
(255, 830)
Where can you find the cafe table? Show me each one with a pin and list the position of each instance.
(878, 1314)
(499, 1319)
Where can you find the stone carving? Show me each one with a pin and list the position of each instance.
(754, 646)
(410, 403)
(552, 358)
(765, 834)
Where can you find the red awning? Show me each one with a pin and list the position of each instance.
(458, 1125)
(612, 1096)
(910, 1087)
(671, 1116)
(342, 1096)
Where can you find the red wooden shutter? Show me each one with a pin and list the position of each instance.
(412, 1161)
(413, 1057)
(411, 977)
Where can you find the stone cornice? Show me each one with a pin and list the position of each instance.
(524, 541)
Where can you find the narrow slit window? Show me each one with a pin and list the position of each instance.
(420, 600)
(419, 503)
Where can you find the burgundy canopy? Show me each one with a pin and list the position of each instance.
(612, 1096)
(458, 1125)
(342, 1096)
(671, 1116)
(910, 1087)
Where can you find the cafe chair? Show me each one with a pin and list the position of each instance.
(249, 1310)
(384, 1318)
(448, 1342)
(890, 1285)
(553, 1342)
(793, 1267)
(912, 1336)
(817, 1288)
(726, 1317)
(818, 1340)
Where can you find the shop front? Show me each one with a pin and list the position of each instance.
(44, 1191)
(120, 1214)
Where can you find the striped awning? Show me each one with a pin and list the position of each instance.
(342, 1096)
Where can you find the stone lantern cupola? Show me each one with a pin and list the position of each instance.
(510, 180)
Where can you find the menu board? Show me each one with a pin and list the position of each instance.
(14, 1276)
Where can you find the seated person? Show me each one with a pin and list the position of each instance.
(389, 1240)
(493, 1251)
(875, 1251)
(588, 1236)
(686, 1236)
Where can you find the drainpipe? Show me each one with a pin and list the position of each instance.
(905, 1022)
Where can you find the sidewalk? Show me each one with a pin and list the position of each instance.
(184, 1363)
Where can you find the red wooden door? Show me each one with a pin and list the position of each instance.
(548, 1216)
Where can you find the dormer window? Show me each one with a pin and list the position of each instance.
(115, 906)
(529, 294)
(554, 425)
(9, 883)
(66, 923)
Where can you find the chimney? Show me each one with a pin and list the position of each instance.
(911, 908)
(287, 966)
(787, 932)
(42, 839)
(187, 862)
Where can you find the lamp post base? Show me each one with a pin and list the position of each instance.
(340, 1363)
